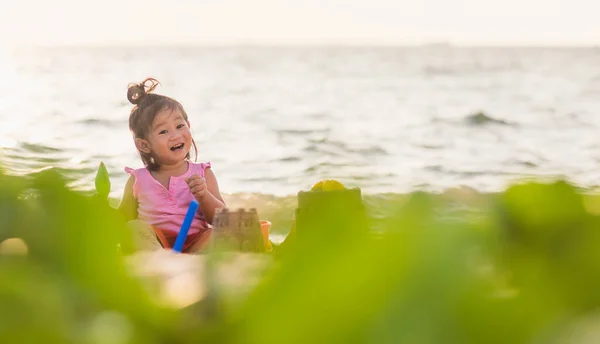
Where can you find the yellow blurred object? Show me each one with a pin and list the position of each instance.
(328, 185)
(13, 247)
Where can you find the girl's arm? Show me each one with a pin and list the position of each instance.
(212, 199)
(129, 204)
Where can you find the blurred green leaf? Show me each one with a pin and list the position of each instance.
(521, 266)
(102, 181)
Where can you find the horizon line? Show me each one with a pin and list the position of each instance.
(305, 45)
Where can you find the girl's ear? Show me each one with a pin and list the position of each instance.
(188, 123)
(142, 145)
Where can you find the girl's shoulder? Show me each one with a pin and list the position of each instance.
(199, 167)
(140, 176)
(137, 172)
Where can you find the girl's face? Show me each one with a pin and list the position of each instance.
(169, 140)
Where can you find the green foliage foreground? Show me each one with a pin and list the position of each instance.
(524, 270)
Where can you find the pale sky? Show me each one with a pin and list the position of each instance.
(462, 22)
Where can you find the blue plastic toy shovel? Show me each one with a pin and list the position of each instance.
(185, 226)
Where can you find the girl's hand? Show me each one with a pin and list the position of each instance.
(197, 186)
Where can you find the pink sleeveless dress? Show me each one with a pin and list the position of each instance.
(164, 209)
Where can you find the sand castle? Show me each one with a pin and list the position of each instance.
(237, 231)
(328, 211)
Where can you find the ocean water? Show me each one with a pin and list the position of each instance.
(274, 120)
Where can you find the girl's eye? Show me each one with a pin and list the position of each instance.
(163, 132)
(180, 126)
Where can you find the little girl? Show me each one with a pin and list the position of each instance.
(159, 194)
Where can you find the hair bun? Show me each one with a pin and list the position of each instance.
(136, 92)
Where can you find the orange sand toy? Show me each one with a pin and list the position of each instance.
(264, 227)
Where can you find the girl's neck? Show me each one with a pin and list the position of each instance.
(174, 170)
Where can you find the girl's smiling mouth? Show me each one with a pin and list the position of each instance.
(176, 147)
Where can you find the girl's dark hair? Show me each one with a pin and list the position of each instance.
(146, 106)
